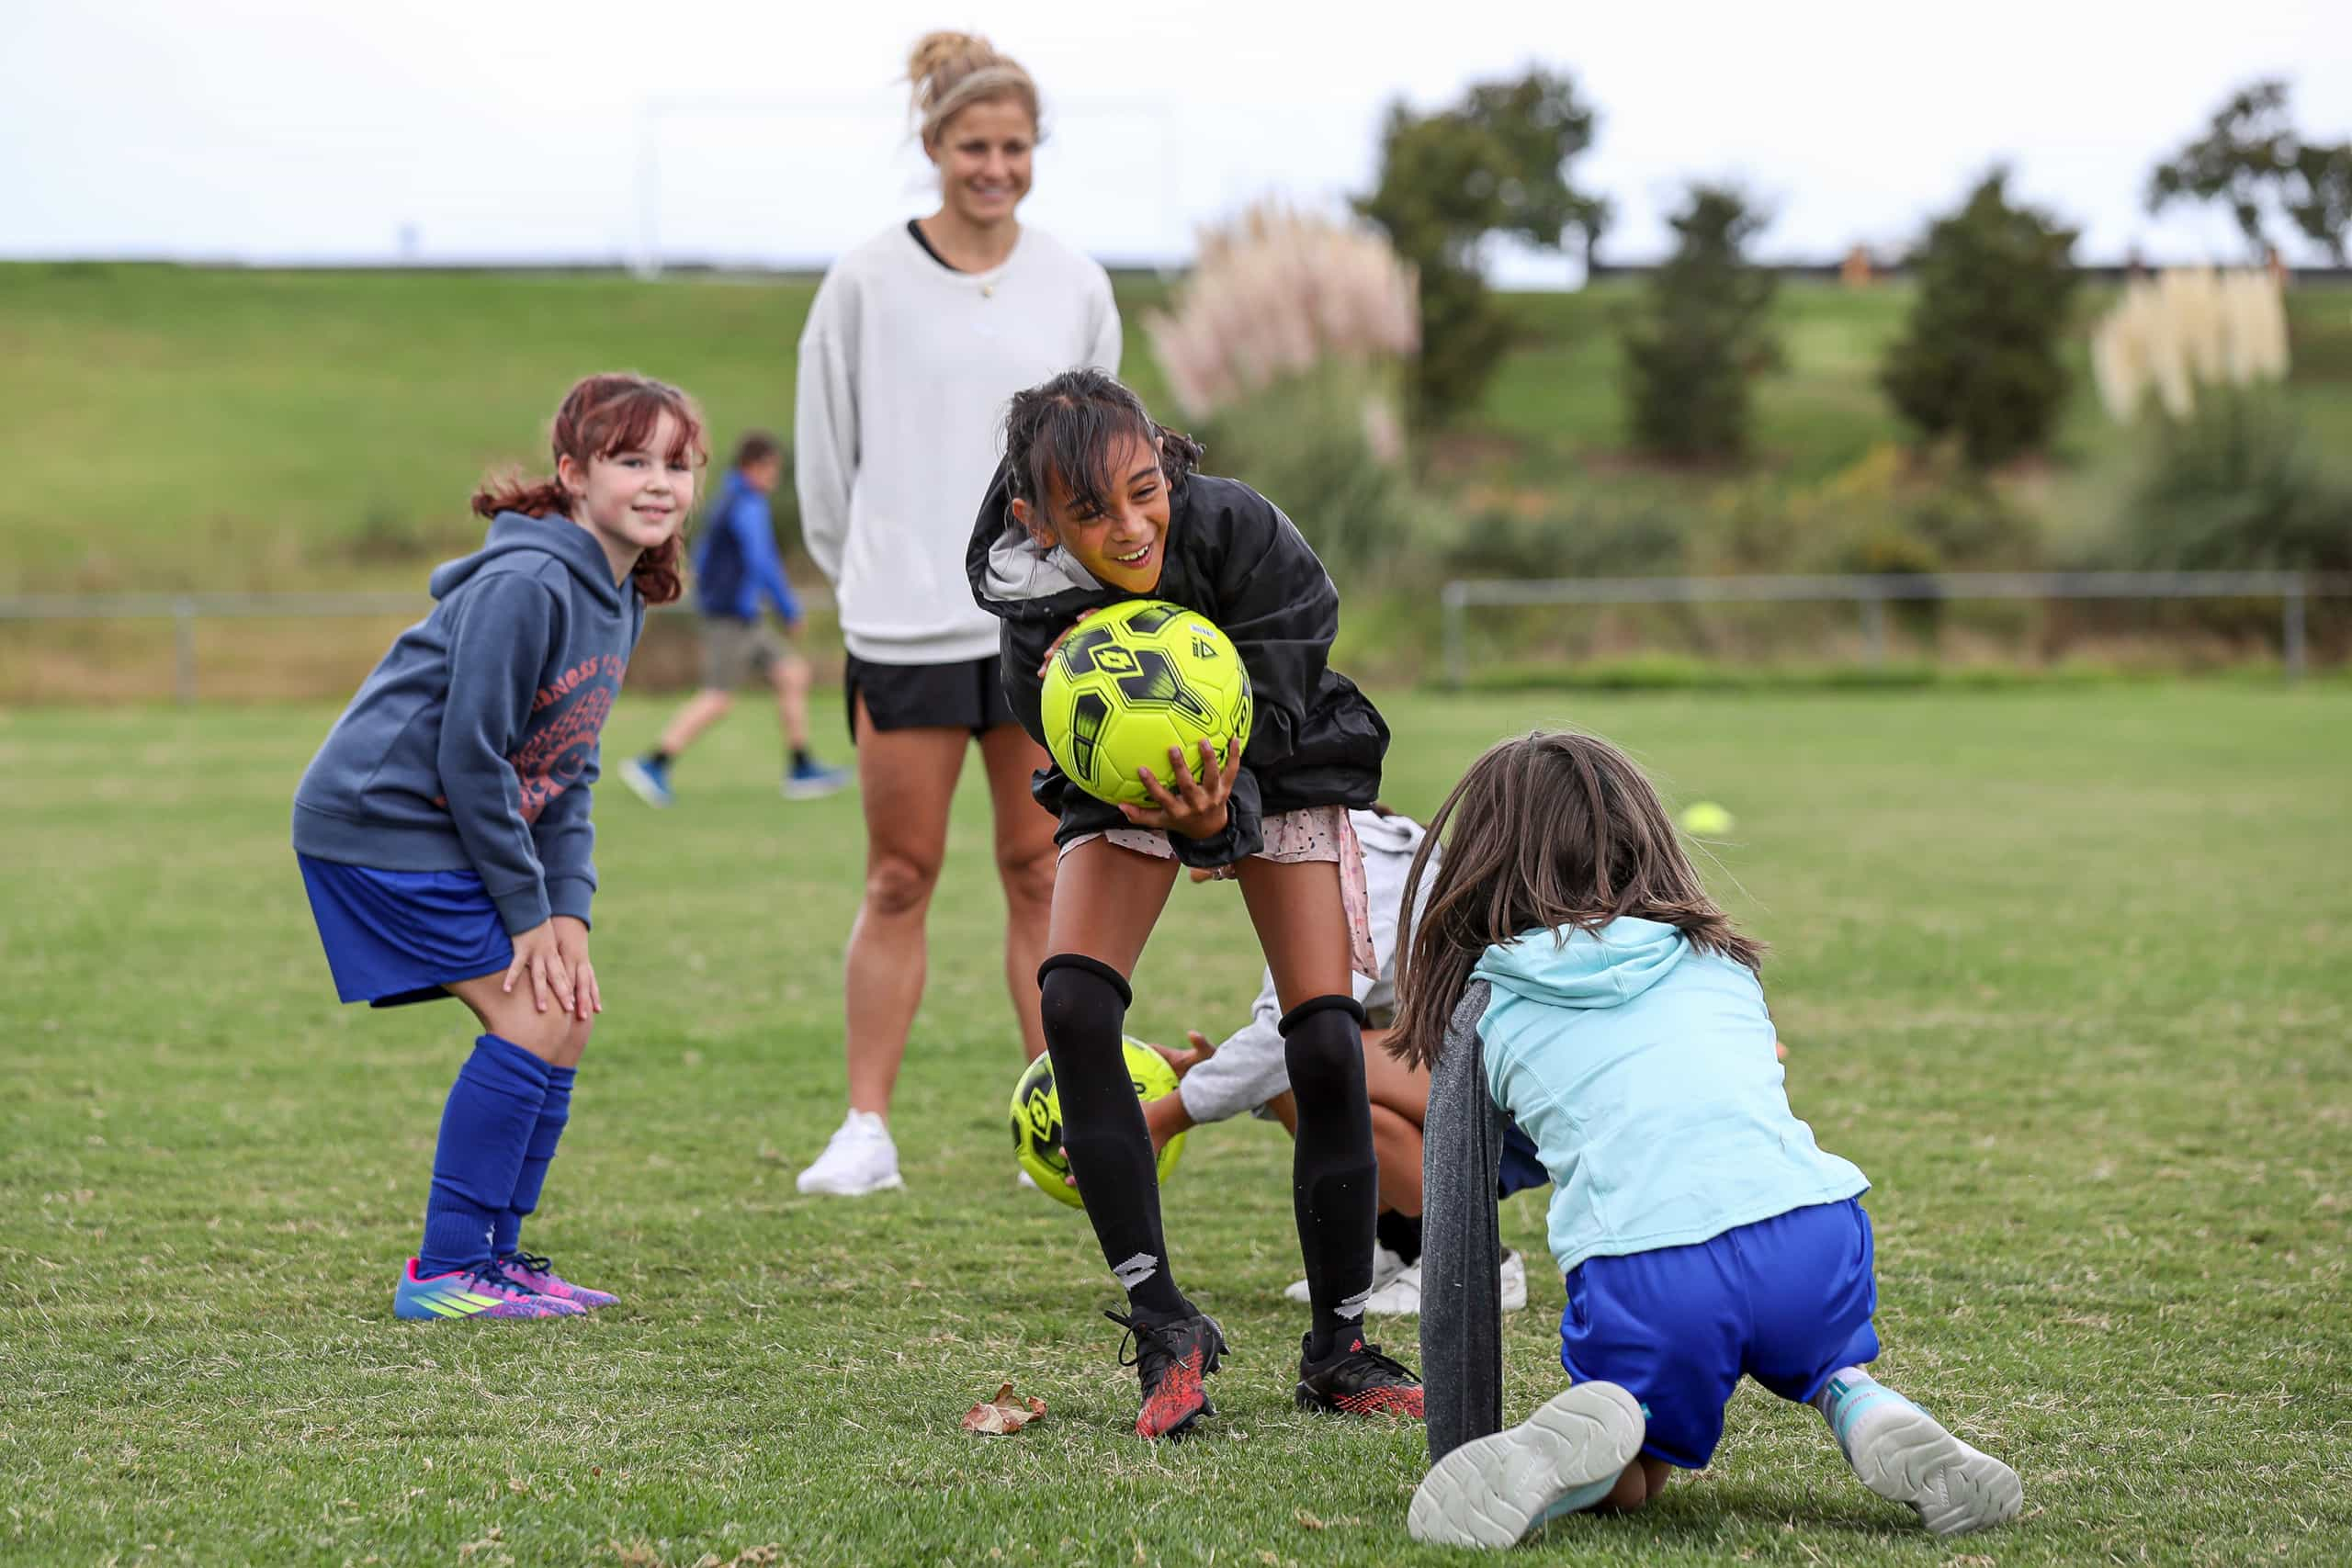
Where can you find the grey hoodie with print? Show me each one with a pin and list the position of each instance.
(472, 744)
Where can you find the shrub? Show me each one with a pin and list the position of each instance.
(1978, 358)
(1700, 334)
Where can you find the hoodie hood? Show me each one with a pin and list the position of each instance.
(1393, 835)
(514, 540)
(1572, 968)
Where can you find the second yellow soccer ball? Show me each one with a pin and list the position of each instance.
(1134, 679)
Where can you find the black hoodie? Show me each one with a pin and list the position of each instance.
(1233, 557)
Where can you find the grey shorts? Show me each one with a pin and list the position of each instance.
(733, 651)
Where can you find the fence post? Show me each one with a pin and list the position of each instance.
(2291, 630)
(183, 649)
(1874, 628)
(1450, 602)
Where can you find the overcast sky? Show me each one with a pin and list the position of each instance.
(772, 131)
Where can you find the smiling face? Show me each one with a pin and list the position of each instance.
(983, 156)
(634, 499)
(1124, 541)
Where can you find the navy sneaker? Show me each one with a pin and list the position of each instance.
(813, 781)
(648, 780)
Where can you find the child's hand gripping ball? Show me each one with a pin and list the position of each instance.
(1037, 1119)
(1132, 681)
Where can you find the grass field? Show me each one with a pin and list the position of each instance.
(2065, 971)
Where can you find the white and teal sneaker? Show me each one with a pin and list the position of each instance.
(1566, 1457)
(1905, 1455)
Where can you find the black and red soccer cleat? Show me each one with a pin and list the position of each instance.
(1173, 1359)
(1358, 1380)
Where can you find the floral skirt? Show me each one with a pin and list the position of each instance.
(1318, 833)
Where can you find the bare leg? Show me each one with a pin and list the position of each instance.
(554, 1036)
(1642, 1480)
(1302, 926)
(1025, 856)
(703, 709)
(906, 778)
(789, 676)
(1400, 1102)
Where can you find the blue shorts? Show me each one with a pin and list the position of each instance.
(401, 936)
(1786, 1301)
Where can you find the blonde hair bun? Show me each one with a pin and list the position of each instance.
(951, 70)
(943, 54)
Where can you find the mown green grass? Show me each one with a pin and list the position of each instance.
(2063, 970)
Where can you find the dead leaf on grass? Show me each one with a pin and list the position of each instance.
(994, 1418)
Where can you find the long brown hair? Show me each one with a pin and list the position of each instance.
(602, 415)
(1550, 829)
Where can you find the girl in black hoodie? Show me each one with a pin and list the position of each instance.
(1096, 504)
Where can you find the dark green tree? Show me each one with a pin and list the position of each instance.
(1700, 334)
(2253, 161)
(1497, 163)
(1978, 357)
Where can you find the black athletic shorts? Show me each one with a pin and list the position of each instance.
(967, 696)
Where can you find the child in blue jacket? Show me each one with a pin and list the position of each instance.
(1569, 971)
(736, 566)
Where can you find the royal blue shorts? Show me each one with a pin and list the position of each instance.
(401, 936)
(1786, 1301)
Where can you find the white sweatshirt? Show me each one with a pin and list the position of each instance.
(905, 370)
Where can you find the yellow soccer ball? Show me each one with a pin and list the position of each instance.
(1037, 1119)
(1134, 679)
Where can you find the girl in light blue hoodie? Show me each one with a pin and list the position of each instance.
(1569, 971)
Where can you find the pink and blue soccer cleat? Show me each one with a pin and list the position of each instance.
(534, 1272)
(487, 1289)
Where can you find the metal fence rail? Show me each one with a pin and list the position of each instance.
(2293, 590)
(185, 610)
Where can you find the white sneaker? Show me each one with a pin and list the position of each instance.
(1400, 1297)
(1385, 1266)
(859, 1159)
(1400, 1294)
(1514, 1281)
(1905, 1455)
(1567, 1456)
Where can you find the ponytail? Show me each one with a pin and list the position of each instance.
(602, 415)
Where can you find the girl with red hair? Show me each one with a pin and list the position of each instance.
(443, 828)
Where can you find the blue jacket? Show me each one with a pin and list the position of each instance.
(736, 562)
(472, 744)
(1644, 1070)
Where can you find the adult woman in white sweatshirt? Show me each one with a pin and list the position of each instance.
(916, 341)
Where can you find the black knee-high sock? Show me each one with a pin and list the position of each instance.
(1085, 1004)
(1334, 1173)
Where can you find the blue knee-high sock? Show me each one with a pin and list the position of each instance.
(554, 1112)
(485, 1134)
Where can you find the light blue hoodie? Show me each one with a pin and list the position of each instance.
(1644, 1070)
